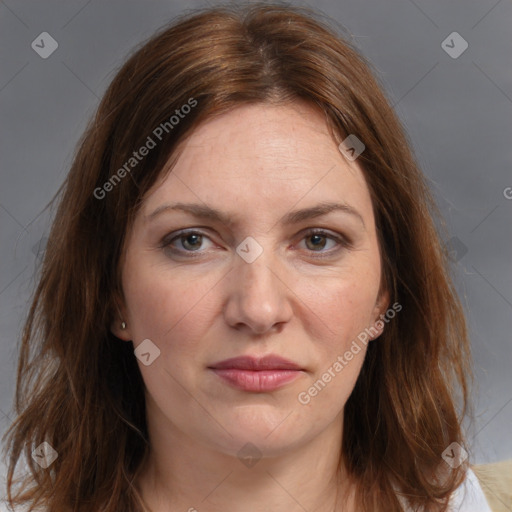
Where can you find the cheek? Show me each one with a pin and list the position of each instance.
(167, 307)
(340, 313)
(340, 306)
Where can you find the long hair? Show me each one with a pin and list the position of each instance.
(79, 388)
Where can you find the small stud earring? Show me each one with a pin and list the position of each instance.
(123, 325)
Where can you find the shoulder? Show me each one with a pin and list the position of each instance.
(469, 496)
(3, 492)
(496, 481)
(5, 508)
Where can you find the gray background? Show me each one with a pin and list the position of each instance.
(457, 112)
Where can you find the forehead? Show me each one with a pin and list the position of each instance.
(262, 156)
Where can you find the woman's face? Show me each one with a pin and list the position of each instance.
(249, 266)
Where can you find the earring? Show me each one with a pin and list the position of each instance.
(123, 325)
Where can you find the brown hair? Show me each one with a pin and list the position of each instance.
(79, 388)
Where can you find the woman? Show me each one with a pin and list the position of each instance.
(244, 303)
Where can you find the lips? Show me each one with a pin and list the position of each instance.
(270, 362)
(254, 374)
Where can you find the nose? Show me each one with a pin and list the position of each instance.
(259, 299)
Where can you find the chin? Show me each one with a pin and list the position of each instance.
(271, 432)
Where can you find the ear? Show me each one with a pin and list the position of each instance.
(116, 327)
(381, 306)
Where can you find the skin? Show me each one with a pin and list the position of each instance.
(256, 164)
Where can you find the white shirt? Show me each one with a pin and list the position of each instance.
(469, 497)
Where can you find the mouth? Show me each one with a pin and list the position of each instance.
(255, 374)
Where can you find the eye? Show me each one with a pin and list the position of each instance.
(316, 240)
(185, 242)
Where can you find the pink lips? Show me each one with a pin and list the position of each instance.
(257, 374)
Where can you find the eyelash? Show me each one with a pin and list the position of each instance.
(342, 241)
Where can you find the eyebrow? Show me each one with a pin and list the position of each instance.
(294, 217)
